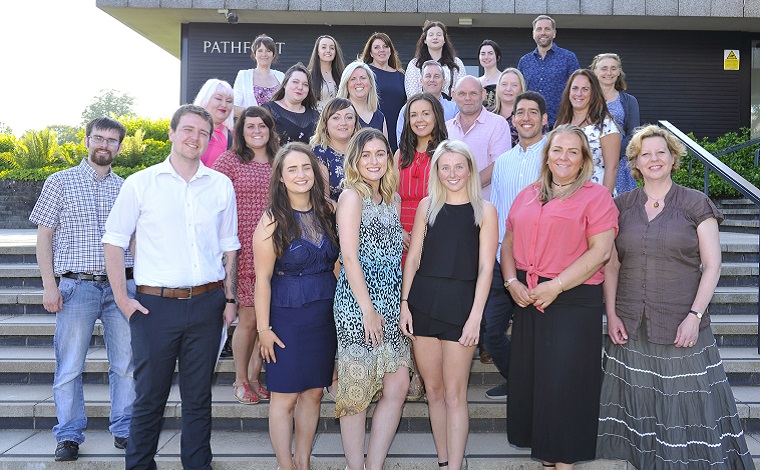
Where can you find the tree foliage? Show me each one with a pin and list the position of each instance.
(66, 133)
(110, 103)
(36, 149)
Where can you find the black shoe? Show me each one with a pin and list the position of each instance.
(120, 442)
(227, 349)
(67, 451)
(498, 393)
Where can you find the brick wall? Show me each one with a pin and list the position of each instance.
(17, 200)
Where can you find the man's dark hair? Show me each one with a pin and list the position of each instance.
(532, 96)
(191, 109)
(106, 124)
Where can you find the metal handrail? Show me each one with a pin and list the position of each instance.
(733, 178)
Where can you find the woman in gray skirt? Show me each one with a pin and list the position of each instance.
(665, 401)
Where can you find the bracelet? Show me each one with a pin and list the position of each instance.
(404, 300)
(264, 329)
(561, 287)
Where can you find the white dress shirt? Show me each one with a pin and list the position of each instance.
(181, 228)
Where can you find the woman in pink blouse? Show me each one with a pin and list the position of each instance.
(216, 97)
(560, 232)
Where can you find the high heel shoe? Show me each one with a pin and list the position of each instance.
(243, 394)
(416, 390)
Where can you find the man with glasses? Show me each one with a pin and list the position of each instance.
(512, 172)
(70, 215)
(184, 218)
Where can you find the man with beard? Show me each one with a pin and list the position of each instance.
(70, 215)
(547, 68)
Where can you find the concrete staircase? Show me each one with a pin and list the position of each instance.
(742, 216)
(240, 439)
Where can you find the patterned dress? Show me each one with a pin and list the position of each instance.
(361, 367)
(594, 133)
(251, 183)
(334, 163)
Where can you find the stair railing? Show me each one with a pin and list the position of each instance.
(737, 181)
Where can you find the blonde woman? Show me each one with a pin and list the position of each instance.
(373, 355)
(357, 84)
(445, 288)
(510, 84)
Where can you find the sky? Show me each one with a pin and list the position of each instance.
(57, 57)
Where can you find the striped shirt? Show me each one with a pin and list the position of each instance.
(512, 172)
(75, 203)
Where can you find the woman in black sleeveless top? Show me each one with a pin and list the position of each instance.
(447, 276)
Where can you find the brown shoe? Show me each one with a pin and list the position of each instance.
(485, 358)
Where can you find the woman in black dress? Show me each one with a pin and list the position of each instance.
(293, 106)
(446, 280)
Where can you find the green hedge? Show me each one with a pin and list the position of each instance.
(741, 161)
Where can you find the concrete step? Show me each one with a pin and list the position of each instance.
(741, 213)
(23, 449)
(18, 246)
(741, 226)
(18, 275)
(32, 407)
(734, 203)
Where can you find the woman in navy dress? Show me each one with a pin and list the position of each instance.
(382, 58)
(358, 85)
(295, 250)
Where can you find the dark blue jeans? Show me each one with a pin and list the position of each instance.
(496, 316)
(185, 329)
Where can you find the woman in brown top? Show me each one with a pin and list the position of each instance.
(665, 401)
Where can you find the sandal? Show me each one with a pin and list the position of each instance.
(259, 390)
(416, 390)
(243, 394)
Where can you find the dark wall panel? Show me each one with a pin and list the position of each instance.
(675, 75)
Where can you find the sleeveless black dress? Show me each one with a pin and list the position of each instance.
(443, 289)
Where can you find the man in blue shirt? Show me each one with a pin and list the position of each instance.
(512, 172)
(548, 66)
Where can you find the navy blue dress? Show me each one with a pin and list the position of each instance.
(301, 311)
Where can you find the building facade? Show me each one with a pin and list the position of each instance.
(677, 54)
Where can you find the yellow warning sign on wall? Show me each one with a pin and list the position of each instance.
(730, 59)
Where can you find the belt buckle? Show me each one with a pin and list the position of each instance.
(190, 294)
(100, 277)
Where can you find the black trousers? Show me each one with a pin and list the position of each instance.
(184, 329)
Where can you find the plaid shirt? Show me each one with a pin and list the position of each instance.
(75, 203)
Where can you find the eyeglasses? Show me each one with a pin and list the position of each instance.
(97, 140)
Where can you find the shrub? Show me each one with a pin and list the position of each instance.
(36, 149)
(7, 143)
(156, 129)
(132, 149)
(71, 153)
(741, 161)
(29, 174)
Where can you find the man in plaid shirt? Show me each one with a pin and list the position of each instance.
(70, 215)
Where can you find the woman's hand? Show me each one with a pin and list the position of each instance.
(545, 293)
(373, 328)
(688, 331)
(616, 330)
(470, 333)
(520, 294)
(405, 321)
(406, 238)
(267, 340)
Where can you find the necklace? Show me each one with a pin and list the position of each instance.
(562, 185)
(656, 199)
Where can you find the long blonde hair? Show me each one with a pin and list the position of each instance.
(523, 88)
(353, 179)
(437, 191)
(546, 193)
(373, 102)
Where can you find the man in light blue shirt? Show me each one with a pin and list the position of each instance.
(432, 82)
(512, 172)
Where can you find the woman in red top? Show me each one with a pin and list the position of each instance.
(424, 128)
(560, 232)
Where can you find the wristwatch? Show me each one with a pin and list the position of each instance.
(231, 301)
(509, 281)
(697, 314)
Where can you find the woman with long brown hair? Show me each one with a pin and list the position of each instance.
(434, 43)
(249, 165)
(326, 67)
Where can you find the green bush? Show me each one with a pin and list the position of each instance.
(29, 174)
(36, 149)
(7, 143)
(124, 171)
(71, 153)
(741, 161)
(132, 149)
(156, 129)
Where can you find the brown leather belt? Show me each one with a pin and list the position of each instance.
(178, 292)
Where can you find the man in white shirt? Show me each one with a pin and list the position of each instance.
(432, 82)
(486, 134)
(512, 172)
(184, 218)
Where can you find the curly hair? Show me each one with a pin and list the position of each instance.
(675, 147)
